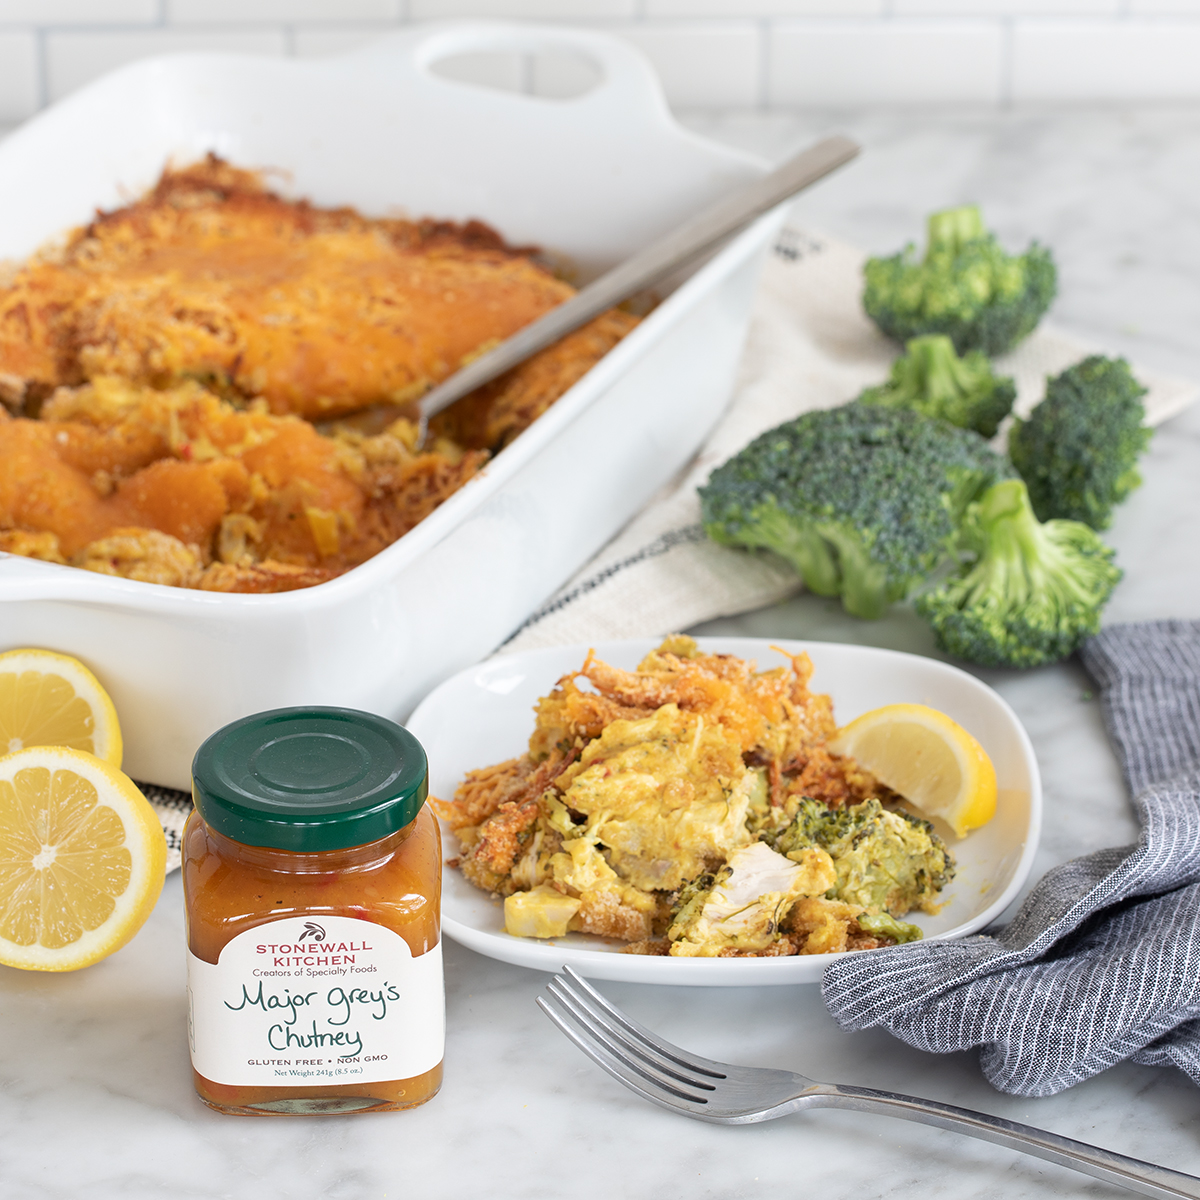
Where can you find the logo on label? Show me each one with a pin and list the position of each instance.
(312, 930)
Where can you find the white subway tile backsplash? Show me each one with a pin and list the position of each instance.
(1006, 8)
(76, 58)
(765, 8)
(78, 12)
(263, 12)
(18, 77)
(522, 10)
(702, 66)
(1155, 8)
(709, 53)
(1132, 60)
(833, 64)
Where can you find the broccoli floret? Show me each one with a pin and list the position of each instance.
(1032, 595)
(1078, 451)
(966, 287)
(931, 379)
(884, 925)
(863, 501)
(885, 861)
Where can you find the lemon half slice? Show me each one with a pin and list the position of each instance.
(49, 699)
(82, 859)
(932, 761)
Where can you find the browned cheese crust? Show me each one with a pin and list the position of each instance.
(157, 363)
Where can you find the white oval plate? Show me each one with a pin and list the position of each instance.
(485, 714)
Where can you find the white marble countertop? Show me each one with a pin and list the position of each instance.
(95, 1093)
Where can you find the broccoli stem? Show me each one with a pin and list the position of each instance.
(935, 363)
(802, 546)
(864, 582)
(1012, 537)
(1022, 562)
(953, 228)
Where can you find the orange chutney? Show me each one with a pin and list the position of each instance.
(314, 951)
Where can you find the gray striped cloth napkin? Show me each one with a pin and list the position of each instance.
(1102, 962)
(173, 808)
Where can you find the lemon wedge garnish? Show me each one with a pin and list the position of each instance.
(82, 859)
(49, 699)
(932, 761)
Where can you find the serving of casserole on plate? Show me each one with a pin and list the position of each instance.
(589, 179)
(484, 715)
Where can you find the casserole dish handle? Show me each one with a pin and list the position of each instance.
(628, 83)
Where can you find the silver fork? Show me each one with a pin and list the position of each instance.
(727, 1095)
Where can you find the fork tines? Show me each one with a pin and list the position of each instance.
(628, 1051)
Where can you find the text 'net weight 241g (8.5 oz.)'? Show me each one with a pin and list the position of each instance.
(312, 881)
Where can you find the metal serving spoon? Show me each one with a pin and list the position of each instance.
(647, 267)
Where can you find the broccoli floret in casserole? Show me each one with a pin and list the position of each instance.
(887, 862)
(1034, 591)
(966, 287)
(931, 379)
(1078, 450)
(863, 501)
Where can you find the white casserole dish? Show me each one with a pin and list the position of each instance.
(592, 178)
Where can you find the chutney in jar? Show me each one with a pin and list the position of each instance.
(311, 874)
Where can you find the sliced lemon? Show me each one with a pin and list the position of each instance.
(49, 699)
(82, 859)
(932, 761)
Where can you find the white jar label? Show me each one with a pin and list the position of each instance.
(303, 1002)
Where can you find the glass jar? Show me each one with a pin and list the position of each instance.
(312, 883)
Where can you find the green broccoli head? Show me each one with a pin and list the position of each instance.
(863, 501)
(965, 287)
(1033, 593)
(931, 379)
(1078, 451)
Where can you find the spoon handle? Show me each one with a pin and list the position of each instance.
(645, 268)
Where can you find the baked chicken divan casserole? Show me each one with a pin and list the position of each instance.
(213, 387)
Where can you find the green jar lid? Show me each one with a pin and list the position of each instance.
(309, 779)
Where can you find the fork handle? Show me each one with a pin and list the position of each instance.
(1141, 1177)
